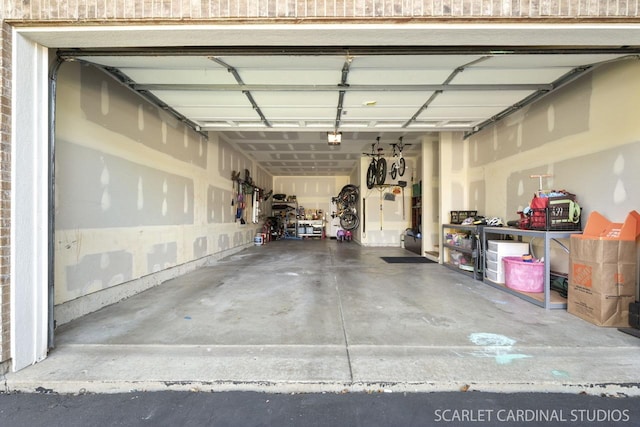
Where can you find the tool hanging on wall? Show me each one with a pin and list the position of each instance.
(240, 207)
(243, 191)
(235, 208)
(364, 216)
(235, 179)
(255, 205)
(402, 184)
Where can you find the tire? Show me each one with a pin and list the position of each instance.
(381, 174)
(394, 170)
(371, 175)
(349, 188)
(349, 221)
(349, 194)
(402, 166)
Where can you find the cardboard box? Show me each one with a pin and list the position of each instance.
(602, 270)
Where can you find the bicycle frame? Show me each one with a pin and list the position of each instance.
(346, 210)
(377, 171)
(399, 164)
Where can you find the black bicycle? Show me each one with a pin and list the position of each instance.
(346, 210)
(398, 165)
(377, 171)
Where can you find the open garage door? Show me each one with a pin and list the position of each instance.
(362, 94)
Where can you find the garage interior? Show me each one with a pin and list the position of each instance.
(270, 317)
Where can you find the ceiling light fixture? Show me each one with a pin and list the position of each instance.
(334, 138)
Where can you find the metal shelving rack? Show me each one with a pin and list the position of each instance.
(287, 213)
(317, 226)
(546, 299)
(473, 231)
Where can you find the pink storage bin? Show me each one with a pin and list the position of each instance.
(523, 276)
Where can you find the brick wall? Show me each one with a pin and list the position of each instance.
(310, 9)
(5, 190)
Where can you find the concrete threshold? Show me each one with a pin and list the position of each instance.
(307, 369)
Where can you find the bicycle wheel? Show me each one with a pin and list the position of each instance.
(349, 194)
(349, 188)
(349, 221)
(394, 170)
(381, 174)
(371, 175)
(402, 166)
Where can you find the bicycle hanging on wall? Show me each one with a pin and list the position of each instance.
(398, 165)
(377, 171)
(346, 210)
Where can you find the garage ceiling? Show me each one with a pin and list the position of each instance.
(279, 106)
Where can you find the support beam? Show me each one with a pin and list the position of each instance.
(29, 203)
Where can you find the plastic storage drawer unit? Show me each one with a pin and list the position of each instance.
(498, 249)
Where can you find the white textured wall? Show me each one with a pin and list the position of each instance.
(385, 220)
(430, 175)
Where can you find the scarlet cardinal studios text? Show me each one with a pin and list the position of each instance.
(532, 415)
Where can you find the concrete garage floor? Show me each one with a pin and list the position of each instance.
(309, 316)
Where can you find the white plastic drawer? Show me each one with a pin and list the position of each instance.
(494, 276)
(492, 256)
(507, 248)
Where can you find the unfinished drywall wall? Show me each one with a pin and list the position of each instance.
(313, 193)
(140, 197)
(585, 135)
(456, 177)
(116, 191)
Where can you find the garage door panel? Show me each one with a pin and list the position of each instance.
(512, 76)
(397, 77)
(385, 99)
(378, 113)
(218, 113)
(290, 77)
(311, 113)
(441, 62)
(286, 62)
(459, 113)
(295, 99)
(479, 98)
(154, 62)
(183, 76)
(549, 60)
(202, 98)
